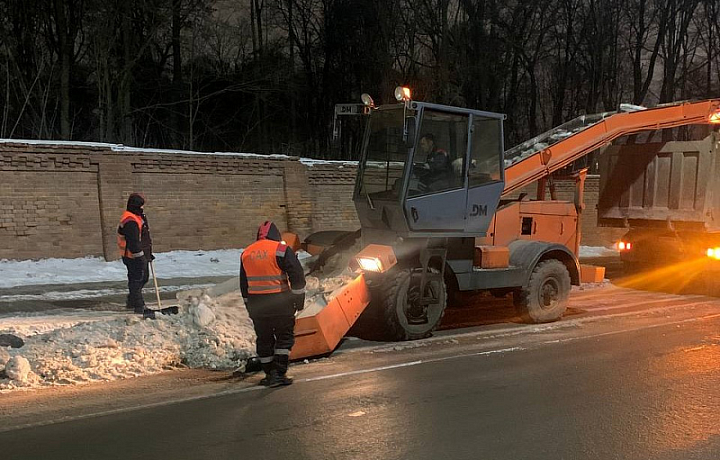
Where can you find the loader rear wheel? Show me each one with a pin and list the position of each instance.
(545, 298)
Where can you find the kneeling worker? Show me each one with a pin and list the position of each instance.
(272, 283)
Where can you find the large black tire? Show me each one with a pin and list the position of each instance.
(389, 316)
(545, 298)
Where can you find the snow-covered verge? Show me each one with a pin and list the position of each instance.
(209, 333)
(75, 347)
(175, 264)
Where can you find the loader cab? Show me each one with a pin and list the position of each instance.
(429, 169)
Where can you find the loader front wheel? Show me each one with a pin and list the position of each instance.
(396, 313)
(404, 315)
(545, 298)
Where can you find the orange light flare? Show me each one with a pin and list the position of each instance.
(714, 117)
(670, 278)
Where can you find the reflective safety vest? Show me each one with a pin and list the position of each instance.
(264, 276)
(121, 242)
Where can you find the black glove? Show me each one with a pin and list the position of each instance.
(298, 301)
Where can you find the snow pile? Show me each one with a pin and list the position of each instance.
(212, 333)
(30, 324)
(321, 291)
(81, 347)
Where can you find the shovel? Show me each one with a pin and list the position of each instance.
(149, 313)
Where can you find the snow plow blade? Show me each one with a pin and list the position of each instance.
(319, 328)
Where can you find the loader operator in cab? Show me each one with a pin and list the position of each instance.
(439, 167)
(272, 283)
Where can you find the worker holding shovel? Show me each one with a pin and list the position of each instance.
(135, 245)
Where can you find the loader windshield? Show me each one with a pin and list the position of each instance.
(385, 156)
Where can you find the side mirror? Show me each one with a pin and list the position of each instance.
(409, 132)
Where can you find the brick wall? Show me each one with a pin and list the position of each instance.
(64, 200)
(332, 188)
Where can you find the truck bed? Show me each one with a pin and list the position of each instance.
(660, 183)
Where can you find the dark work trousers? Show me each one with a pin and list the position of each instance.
(137, 278)
(275, 338)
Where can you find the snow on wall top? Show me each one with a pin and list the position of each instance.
(310, 162)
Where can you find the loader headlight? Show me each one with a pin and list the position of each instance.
(376, 258)
(402, 93)
(370, 264)
(713, 253)
(367, 100)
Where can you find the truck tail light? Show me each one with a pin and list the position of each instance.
(624, 246)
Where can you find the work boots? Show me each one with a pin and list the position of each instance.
(270, 374)
(270, 379)
(275, 372)
(281, 366)
(281, 380)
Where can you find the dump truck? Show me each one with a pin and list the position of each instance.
(432, 229)
(664, 187)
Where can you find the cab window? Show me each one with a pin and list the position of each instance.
(439, 159)
(486, 152)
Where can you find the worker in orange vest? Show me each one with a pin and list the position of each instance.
(272, 283)
(135, 246)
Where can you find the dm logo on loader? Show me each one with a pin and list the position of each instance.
(479, 210)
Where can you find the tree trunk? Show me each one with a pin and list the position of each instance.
(64, 53)
(177, 82)
(124, 100)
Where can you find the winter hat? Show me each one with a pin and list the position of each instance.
(268, 231)
(135, 203)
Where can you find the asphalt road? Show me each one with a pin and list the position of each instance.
(631, 375)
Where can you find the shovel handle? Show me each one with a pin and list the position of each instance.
(157, 291)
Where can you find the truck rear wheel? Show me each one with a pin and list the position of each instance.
(395, 314)
(545, 298)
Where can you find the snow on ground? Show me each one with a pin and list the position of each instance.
(69, 347)
(91, 347)
(73, 346)
(93, 293)
(176, 264)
